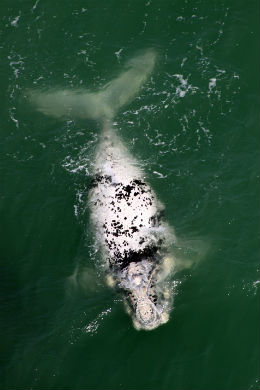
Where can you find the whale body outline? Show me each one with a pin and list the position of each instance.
(125, 212)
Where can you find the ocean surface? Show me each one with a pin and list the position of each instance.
(193, 128)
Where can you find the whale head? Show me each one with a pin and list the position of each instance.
(145, 304)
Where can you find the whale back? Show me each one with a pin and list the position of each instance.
(127, 217)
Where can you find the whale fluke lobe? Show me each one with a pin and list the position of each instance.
(101, 105)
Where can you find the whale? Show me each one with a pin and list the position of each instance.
(125, 213)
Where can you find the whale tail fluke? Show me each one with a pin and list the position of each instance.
(101, 105)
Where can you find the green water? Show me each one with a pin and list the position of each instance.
(194, 129)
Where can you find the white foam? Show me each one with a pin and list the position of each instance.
(35, 5)
(212, 83)
(93, 326)
(160, 175)
(118, 53)
(13, 118)
(184, 86)
(14, 23)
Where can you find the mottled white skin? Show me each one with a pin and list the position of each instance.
(126, 215)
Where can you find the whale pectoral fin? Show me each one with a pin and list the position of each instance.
(127, 307)
(110, 281)
(169, 263)
(166, 293)
(164, 318)
(167, 267)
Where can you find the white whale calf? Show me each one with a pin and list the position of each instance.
(125, 212)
